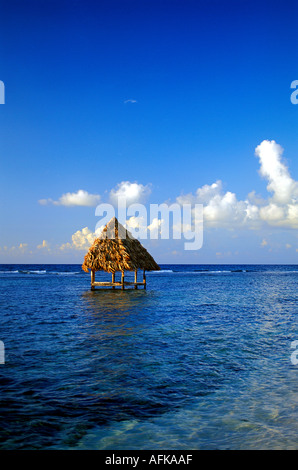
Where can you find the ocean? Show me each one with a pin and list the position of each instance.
(201, 359)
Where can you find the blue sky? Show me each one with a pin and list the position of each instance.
(168, 95)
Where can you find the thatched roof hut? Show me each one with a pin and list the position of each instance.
(117, 250)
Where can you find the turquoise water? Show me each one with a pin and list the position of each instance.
(199, 360)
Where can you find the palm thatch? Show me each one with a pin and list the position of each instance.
(117, 250)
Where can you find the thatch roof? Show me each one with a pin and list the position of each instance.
(117, 250)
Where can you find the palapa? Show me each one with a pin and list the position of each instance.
(117, 250)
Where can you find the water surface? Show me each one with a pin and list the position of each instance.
(199, 360)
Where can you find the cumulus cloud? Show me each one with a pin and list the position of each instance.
(224, 209)
(221, 208)
(124, 192)
(272, 213)
(156, 226)
(280, 183)
(129, 193)
(80, 198)
(135, 223)
(138, 226)
(23, 246)
(20, 249)
(81, 239)
(43, 245)
(281, 209)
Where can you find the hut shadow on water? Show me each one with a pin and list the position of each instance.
(116, 302)
(115, 314)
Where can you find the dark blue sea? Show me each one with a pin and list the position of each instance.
(202, 359)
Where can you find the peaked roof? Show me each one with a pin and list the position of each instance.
(117, 250)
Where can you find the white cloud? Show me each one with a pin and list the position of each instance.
(81, 239)
(66, 246)
(180, 228)
(255, 199)
(124, 192)
(135, 223)
(207, 193)
(156, 225)
(129, 192)
(280, 209)
(138, 225)
(21, 248)
(272, 213)
(43, 245)
(283, 187)
(219, 208)
(44, 202)
(80, 198)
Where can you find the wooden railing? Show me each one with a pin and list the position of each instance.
(121, 284)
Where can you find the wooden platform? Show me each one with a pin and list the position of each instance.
(118, 284)
(121, 284)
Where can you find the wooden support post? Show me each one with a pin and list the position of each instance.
(92, 279)
(122, 280)
(144, 279)
(136, 278)
(113, 279)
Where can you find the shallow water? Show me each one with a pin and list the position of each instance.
(199, 360)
